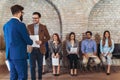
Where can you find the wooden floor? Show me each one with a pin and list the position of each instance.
(89, 75)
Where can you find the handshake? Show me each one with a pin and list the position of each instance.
(29, 48)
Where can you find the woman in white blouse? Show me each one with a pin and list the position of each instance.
(106, 48)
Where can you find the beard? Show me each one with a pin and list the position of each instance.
(21, 17)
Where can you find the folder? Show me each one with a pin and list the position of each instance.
(8, 64)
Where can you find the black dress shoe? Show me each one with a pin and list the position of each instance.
(39, 79)
(43, 73)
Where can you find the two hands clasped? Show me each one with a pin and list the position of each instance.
(29, 47)
(55, 55)
(103, 54)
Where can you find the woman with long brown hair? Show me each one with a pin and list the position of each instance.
(106, 48)
(72, 47)
(56, 52)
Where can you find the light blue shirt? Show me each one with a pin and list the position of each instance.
(106, 49)
(36, 28)
(88, 46)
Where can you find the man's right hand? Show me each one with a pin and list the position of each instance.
(29, 48)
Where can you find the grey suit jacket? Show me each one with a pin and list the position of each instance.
(68, 46)
(55, 49)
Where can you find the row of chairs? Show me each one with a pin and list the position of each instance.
(100, 67)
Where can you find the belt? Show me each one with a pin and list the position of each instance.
(35, 48)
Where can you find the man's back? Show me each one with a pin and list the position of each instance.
(16, 38)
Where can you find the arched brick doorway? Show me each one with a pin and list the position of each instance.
(50, 14)
(105, 15)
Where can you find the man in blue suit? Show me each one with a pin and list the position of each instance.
(17, 39)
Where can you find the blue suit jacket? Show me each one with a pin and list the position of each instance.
(17, 39)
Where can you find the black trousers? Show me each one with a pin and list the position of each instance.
(73, 59)
(36, 56)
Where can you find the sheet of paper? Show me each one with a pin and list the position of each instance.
(35, 38)
(44, 62)
(8, 65)
(55, 61)
(73, 50)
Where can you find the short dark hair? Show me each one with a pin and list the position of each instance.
(88, 32)
(16, 9)
(37, 13)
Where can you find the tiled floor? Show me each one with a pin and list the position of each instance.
(115, 75)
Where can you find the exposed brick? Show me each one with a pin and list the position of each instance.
(77, 15)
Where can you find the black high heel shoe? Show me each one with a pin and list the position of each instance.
(53, 74)
(57, 74)
(72, 74)
(75, 74)
(108, 73)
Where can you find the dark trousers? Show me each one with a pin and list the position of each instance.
(18, 69)
(36, 56)
(73, 59)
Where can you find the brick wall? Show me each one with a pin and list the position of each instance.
(64, 16)
(49, 15)
(76, 15)
(105, 15)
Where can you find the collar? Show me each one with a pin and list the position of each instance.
(88, 39)
(16, 18)
(106, 39)
(36, 24)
